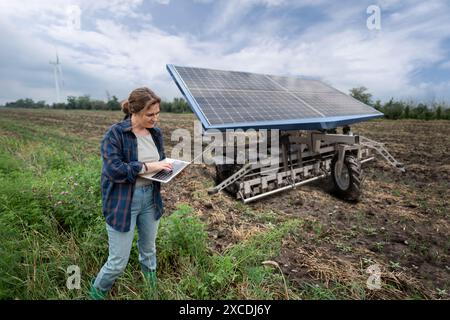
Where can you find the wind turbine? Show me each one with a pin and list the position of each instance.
(58, 77)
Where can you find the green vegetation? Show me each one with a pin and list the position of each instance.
(178, 105)
(393, 109)
(73, 103)
(396, 109)
(361, 95)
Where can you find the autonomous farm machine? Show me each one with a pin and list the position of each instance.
(304, 125)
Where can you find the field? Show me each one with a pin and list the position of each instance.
(313, 245)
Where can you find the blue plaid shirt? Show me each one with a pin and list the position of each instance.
(119, 172)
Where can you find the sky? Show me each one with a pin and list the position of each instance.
(115, 46)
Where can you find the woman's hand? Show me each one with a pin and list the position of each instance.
(158, 166)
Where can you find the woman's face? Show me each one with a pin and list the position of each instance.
(149, 116)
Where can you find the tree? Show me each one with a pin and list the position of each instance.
(406, 112)
(71, 102)
(98, 105)
(113, 104)
(438, 112)
(180, 105)
(393, 109)
(40, 104)
(361, 95)
(84, 102)
(166, 106)
(378, 105)
(60, 105)
(446, 114)
(420, 112)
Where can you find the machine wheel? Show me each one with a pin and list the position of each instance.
(348, 184)
(223, 171)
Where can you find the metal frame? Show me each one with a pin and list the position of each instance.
(305, 157)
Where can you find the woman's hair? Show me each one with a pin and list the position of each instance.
(139, 99)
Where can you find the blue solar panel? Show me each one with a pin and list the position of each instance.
(231, 100)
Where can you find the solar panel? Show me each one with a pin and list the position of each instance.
(231, 99)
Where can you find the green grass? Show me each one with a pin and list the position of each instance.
(315, 291)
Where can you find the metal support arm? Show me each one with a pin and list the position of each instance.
(379, 147)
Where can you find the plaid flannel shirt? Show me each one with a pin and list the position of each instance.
(119, 172)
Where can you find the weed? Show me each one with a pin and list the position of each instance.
(379, 246)
(370, 231)
(394, 265)
(344, 247)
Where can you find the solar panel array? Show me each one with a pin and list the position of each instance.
(229, 98)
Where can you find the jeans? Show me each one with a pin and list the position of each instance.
(142, 216)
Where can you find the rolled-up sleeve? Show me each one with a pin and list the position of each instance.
(114, 167)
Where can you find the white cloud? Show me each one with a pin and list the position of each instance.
(230, 13)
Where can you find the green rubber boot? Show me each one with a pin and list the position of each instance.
(150, 279)
(96, 294)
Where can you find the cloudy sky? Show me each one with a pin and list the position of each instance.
(119, 45)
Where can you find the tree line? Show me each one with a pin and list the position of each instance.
(393, 109)
(177, 105)
(397, 109)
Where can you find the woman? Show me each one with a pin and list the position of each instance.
(129, 149)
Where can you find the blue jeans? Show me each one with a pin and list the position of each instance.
(142, 216)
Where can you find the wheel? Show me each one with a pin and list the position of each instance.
(348, 184)
(224, 171)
